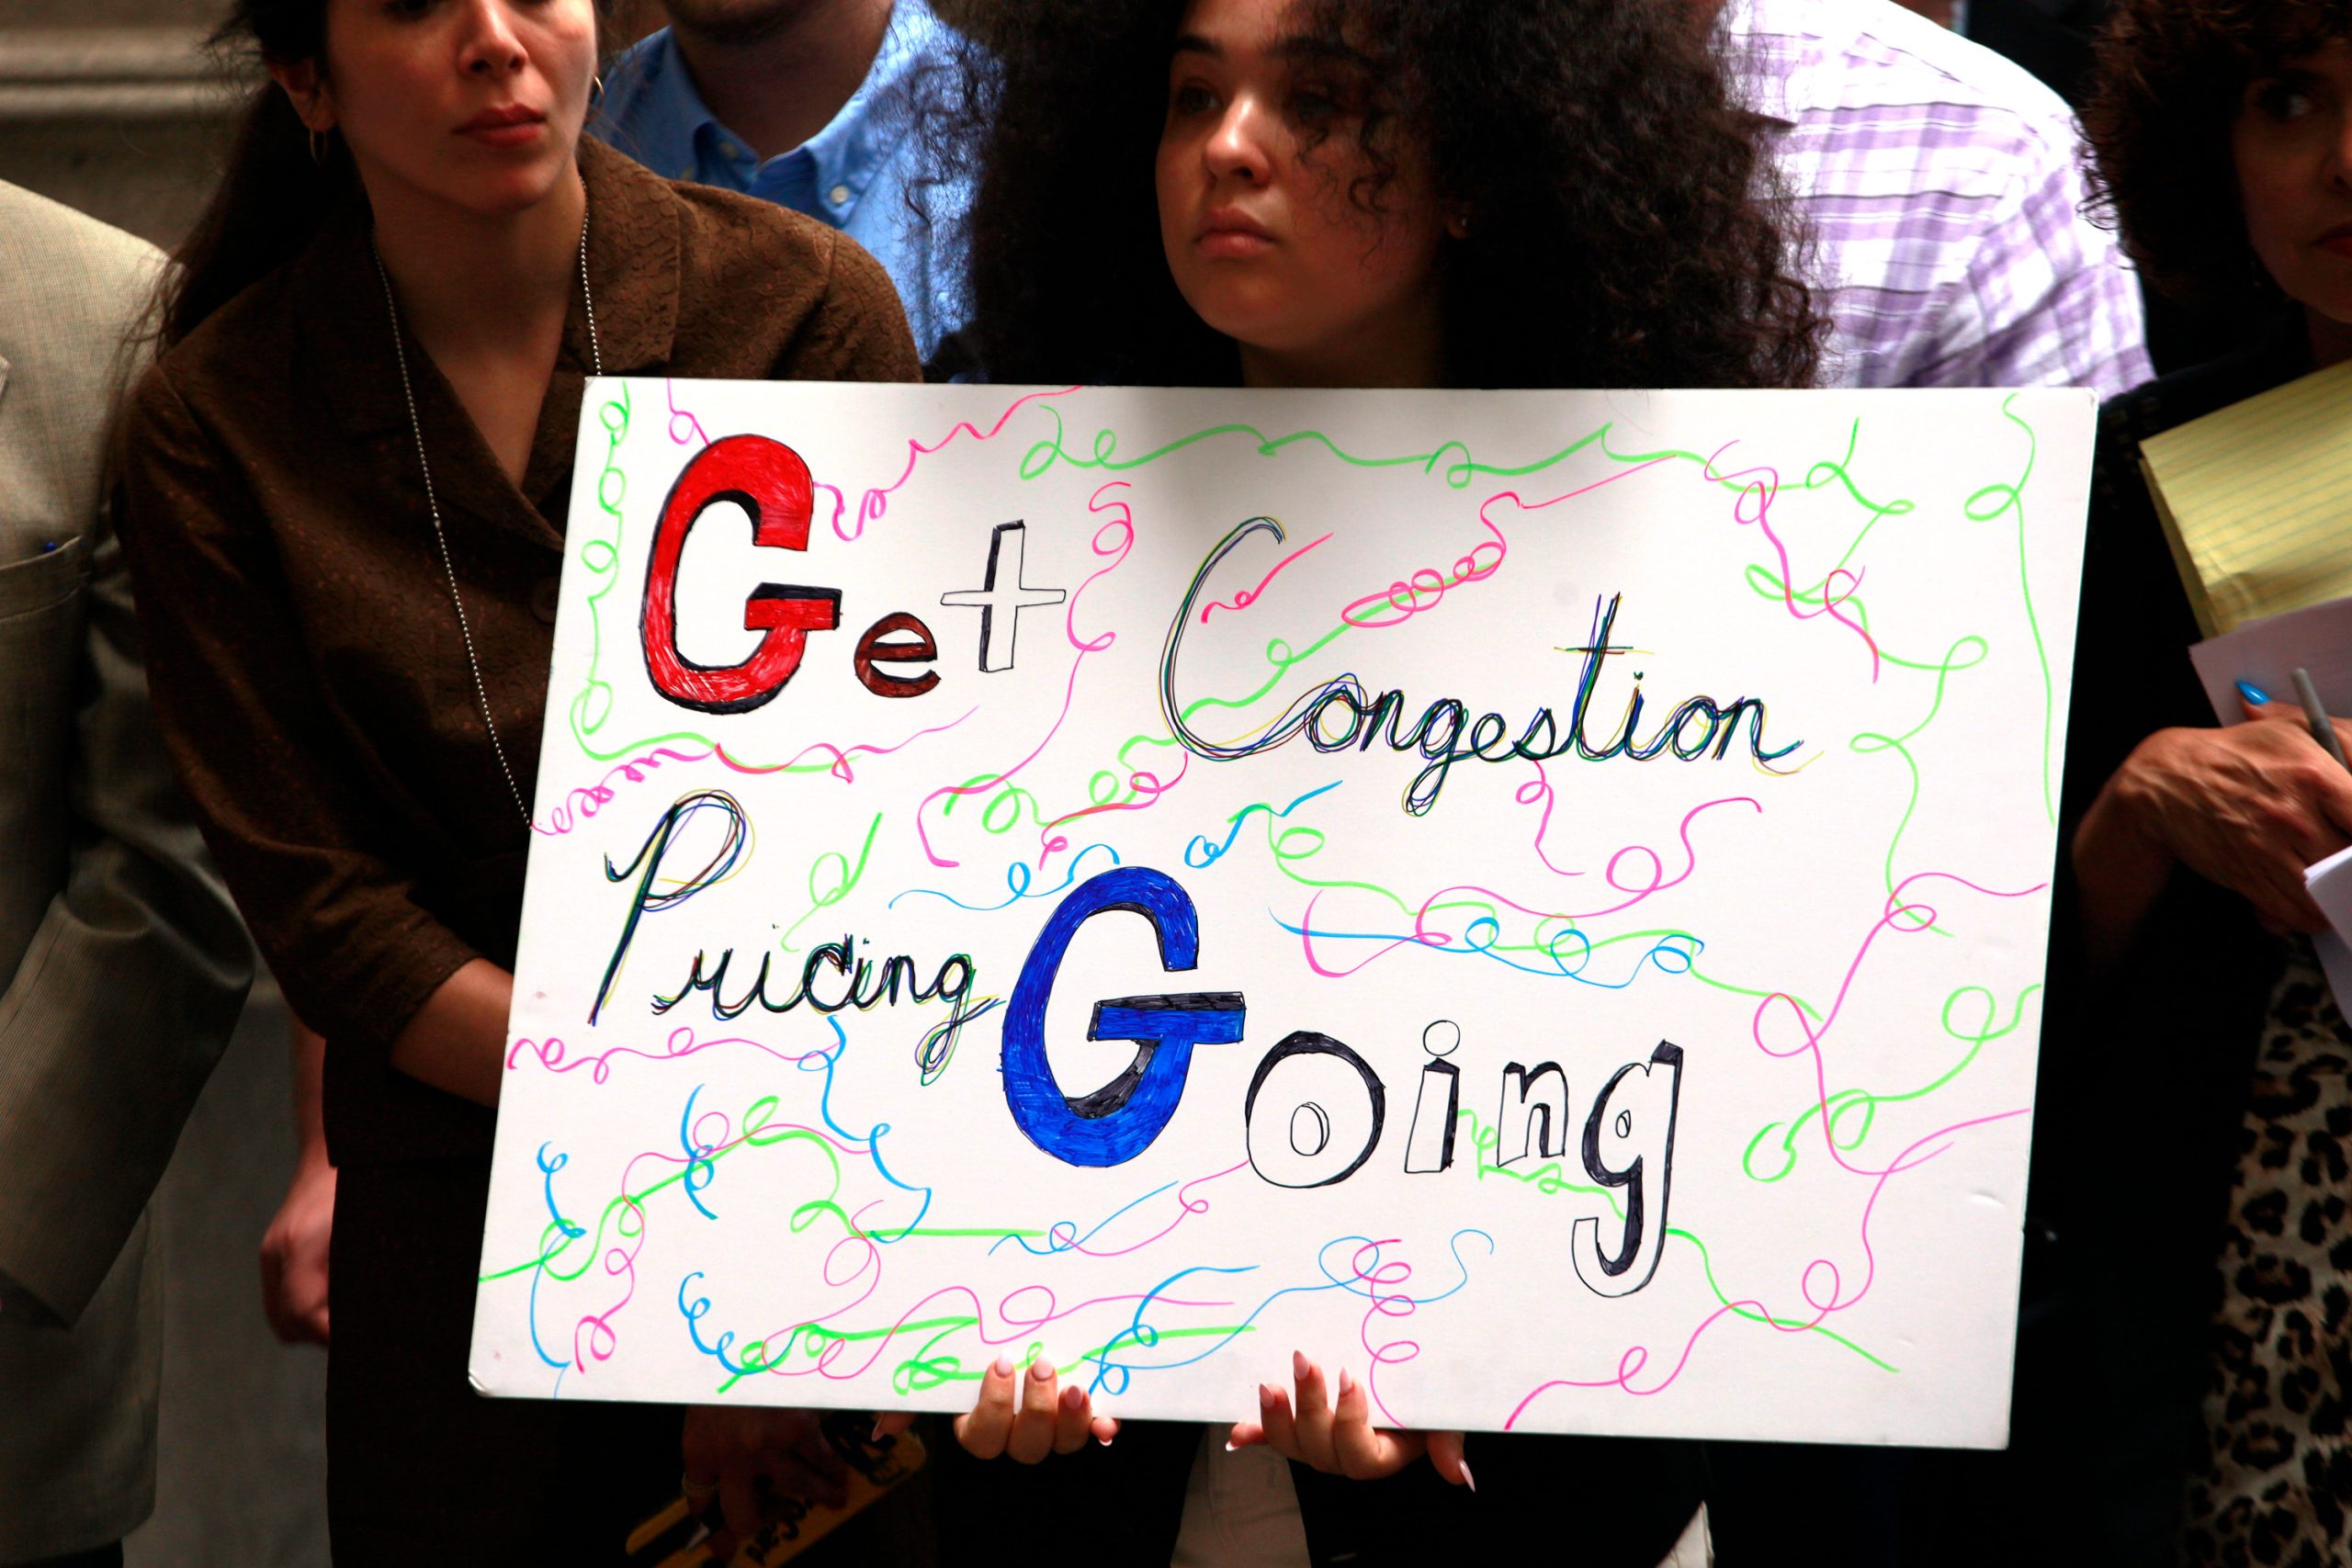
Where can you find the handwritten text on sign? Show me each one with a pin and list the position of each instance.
(1535, 898)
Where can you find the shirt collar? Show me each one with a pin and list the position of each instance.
(860, 138)
(650, 94)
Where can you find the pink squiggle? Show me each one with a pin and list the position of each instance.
(841, 756)
(1762, 492)
(1248, 596)
(1636, 1357)
(1392, 1352)
(1306, 945)
(1120, 533)
(551, 1054)
(1894, 918)
(876, 501)
(670, 392)
(1468, 568)
(1659, 883)
(922, 833)
(584, 801)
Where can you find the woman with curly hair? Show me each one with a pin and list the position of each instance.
(1380, 192)
(2222, 130)
(1561, 194)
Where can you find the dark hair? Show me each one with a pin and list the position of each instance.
(1622, 230)
(274, 191)
(2170, 84)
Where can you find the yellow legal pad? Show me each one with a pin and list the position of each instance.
(2256, 501)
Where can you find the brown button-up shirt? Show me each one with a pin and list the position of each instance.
(307, 669)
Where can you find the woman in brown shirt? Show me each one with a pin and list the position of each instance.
(347, 482)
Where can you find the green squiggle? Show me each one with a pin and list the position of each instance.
(1867, 1103)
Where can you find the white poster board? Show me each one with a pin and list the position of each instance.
(1592, 1067)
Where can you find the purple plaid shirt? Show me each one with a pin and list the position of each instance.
(1943, 187)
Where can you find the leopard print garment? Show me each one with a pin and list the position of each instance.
(2278, 1476)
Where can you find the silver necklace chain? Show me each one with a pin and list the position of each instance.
(433, 506)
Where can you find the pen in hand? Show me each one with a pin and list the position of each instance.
(2322, 728)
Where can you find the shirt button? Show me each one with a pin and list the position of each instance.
(838, 194)
(543, 600)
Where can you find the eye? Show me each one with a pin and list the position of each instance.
(1191, 98)
(2283, 100)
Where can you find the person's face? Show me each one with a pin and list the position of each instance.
(1258, 156)
(476, 103)
(2292, 144)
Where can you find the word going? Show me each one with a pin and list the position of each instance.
(771, 483)
(1315, 1110)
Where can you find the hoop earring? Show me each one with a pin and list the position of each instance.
(318, 149)
(596, 89)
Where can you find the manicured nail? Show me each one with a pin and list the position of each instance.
(1072, 1397)
(1230, 1446)
(1467, 1479)
(1299, 1365)
(1002, 1366)
(1347, 1384)
(1101, 1439)
(2253, 693)
(1041, 1368)
(876, 1435)
(1267, 1393)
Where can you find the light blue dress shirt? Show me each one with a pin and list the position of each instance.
(855, 174)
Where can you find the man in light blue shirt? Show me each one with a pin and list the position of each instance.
(813, 105)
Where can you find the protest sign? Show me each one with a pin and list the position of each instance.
(1536, 899)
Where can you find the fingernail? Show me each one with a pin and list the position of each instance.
(1101, 1439)
(1230, 1446)
(1267, 1393)
(2252, 692)
(1041, 1368)
(1072, 1397)
(1467, 1479)
(1298, 1364)
(1002, 1366)
(1347, 1384)
(876, 1435)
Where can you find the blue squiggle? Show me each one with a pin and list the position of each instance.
(1211, 853)
(1672, 954)
(1016, 879)
(700, 1166)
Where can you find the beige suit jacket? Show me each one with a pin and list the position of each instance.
(122, 964)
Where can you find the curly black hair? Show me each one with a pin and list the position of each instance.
(2171, 82)
(1625, 231)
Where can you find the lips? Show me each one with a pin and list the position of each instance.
(1232, 233)
(2337, 241)
(505, 125)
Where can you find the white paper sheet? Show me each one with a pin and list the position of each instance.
(1794, 971)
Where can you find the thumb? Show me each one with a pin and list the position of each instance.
(1446, 1458)
(890, 1423)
